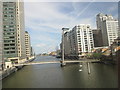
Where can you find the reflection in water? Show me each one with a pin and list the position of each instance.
(53, 76)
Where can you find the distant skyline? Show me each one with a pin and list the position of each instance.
(44, 21)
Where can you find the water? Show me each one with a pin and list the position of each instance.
(70, 76)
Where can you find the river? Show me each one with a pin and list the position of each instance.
(69, 76)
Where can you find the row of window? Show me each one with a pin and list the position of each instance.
(83, 26)
(11, 48)
(9, 8)
(9, 19)
(11, 12)
(9, 23)
(10, 37)
(9, 29)
(9, 33)
(9, 15)
(9, 44)
(9, 40)
(8, 52)
(10, 26)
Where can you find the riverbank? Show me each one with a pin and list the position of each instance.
(6, 72)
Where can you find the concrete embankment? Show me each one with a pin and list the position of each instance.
(8, 71)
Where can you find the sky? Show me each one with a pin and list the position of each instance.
(44, 20)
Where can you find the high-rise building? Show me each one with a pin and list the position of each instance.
(97, 37)
(119, 18)
(13, 31)
(32, 51)
(109, 28)
(27, 44)
(1, 35)
(66, 41)
(78, 41)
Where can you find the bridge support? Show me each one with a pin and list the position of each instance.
(63, 64)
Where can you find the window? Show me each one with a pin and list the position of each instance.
(11, 15)
(11, 29)
(11, 26)
(78, 31)
(12, 37)
(5, 8)
(5, 5)
(5, 15)
(6, 44)
(12, 44)
(88, 26)
(5, 19)
(7, 52)
(12, 48)
(11, 8)
(12, 52)
(5, 26)
(11, 23)
(6, 48)
(5, 30)
(5, 12)
(11, 12)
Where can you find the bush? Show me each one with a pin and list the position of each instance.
(97, 55)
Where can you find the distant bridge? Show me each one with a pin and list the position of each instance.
(57, 62)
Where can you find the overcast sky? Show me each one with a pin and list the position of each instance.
(44, 21)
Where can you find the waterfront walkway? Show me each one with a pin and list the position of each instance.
(56, 62)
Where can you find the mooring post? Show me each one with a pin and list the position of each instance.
(88, 65)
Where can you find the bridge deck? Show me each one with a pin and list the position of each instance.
(88, 60)
(55, 62)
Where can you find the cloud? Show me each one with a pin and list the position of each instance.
(40, 45)
(45, 20)
(113, 8)
(48, 16)
(44, 48)
(69, 0)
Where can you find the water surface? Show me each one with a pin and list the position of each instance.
(53, 76)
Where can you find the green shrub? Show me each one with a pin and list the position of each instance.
(97, 55)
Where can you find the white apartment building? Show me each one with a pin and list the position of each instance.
(109, 28)
(27, 44)
(79, 40)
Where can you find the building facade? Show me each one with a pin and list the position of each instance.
(1, 35)
(78, 41)
(109, 28)
(32, 51)
(97, 37)
(13, 31)
(66, 41)
(27, 44)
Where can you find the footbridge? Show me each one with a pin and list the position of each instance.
(57, 62)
